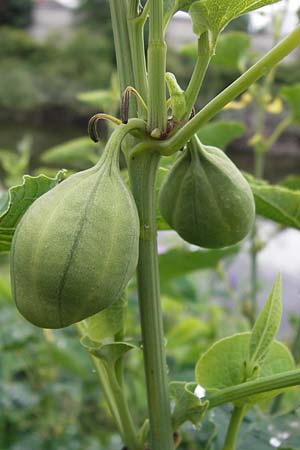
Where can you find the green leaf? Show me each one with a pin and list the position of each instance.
(106, 323)
(18, 199)
(212, 16)
(291, 94)
(277, 203)
(291, 182)
(188, 407)
(105, 99)
(266, 326)
(232, 51)
(221, 132)
(109, 353)
(78, 152)
(223, 365)
(178, 262)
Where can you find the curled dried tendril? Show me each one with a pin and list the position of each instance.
(92, 125)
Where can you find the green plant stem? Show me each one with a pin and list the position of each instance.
(233, 429)
(281, 127)
(118, 12)
(250, 388)
(157, 110)
(143, 170)
(136, 37)
(130, 438)
(107, 391)
(261, 68)
(203, 59)
(115, 397)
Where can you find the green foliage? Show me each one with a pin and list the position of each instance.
(17, 200)
(291, 94)
(79, 153)
(49, 394)
(94, 12)
(220, 133)
(109, 353)
(266, 326)
(224, 363)
(206, 17)
(291, 182)
(277, 203)
(258, 430)
(15, 164)
(187, 406)
(232, 51)
(16, 13)
(179, 262)
(33, 73)
(89, 211)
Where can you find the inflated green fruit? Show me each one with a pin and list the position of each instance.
(206, 199)
(76, 247)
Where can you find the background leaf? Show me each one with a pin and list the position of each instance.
(79, 153)
(18, 199)
(232, 51)
(291, 182)
(276, 202)
(291, 94)
(178, 262)
(221, 132)
(266, 325)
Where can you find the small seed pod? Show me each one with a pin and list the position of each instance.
(76, 247)
(206, 199)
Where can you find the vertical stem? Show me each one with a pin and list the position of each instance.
(143, 170)
(136, 37)
(203, 59)
(118, 12)
(102, 376)
(157, 116)
(233, 429)
(130, 438)
(259, 168)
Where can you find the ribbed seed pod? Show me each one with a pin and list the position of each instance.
(206, 199)
(76, 247)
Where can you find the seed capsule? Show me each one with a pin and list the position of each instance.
(76, 247)
(206, 199)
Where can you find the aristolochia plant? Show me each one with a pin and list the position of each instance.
(78, 245)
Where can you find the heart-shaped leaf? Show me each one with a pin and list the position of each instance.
(212, 16)
(223, 365)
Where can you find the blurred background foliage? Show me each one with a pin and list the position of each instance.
(49, 395)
